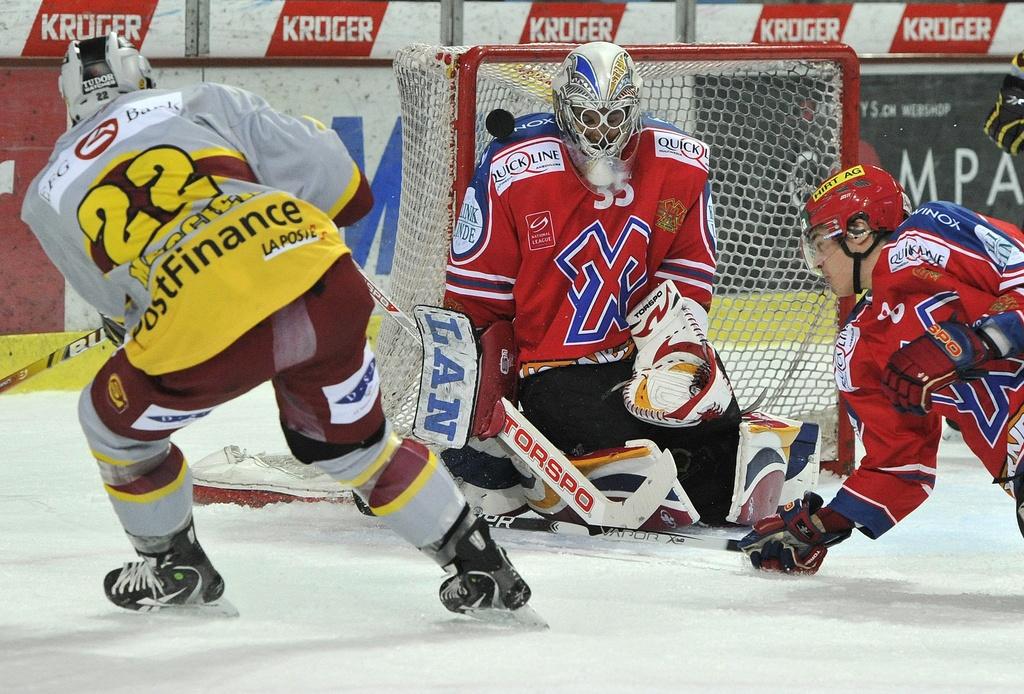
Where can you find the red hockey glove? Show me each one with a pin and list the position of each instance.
(796, 539)
(946, 353)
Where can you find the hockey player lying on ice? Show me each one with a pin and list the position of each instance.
(200, 213)
(586, 245)
(938, 334)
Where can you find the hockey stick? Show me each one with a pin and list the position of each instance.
(68, 351)
(548, 463)
(390, 306)
(649, 536)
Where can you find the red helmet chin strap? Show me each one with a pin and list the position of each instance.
(879, 237)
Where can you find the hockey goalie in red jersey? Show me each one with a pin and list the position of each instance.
(940, 333)
(590, 231)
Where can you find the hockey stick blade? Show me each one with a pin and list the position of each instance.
(624, 534)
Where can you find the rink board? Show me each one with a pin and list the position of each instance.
(753, 320)
(17, 351)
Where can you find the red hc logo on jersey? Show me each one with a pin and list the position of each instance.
(604, 275)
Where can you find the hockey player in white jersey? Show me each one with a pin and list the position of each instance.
(208, 221)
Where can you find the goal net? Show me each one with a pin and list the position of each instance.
(778, 121)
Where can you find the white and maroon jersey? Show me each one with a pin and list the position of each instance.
(944, 263)
(194, 213)
(534, 243)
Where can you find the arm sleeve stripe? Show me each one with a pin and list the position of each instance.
(482, 294)
(706, 286)
(873, 518)
(347, 194)
(453, 270)
(690, 263)
(693, 273)
(455, 281)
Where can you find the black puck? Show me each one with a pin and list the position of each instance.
(500, 123)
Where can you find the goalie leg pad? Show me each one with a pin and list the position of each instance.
(618, 472)
(776, 457)
(233, 475)
(804, 463)
(487, 478)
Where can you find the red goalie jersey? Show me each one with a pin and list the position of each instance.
(534, 243)
(944, 263)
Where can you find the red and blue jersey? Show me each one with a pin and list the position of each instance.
(944, 263)
(534, 243)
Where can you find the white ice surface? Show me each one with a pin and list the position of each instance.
(331, 602)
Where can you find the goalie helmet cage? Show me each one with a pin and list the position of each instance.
(778, 120)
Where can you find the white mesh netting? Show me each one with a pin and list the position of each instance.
(774, 128)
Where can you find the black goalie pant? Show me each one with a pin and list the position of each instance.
(580, 409)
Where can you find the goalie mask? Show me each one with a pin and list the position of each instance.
(596, 98)
(95, 71)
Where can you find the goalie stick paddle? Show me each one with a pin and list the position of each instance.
(68, 351)
(646, 536)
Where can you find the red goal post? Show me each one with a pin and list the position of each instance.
(778, 120)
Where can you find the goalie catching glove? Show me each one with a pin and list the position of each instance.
(797, 538)
(676, 379)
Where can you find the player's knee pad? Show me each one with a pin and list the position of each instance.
(618, 473)
(386, 471)
(486, 477)
(776, 461)
(309, 450)
(121, 460)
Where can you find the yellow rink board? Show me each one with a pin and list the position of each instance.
(773, 317)
(18, 351)
(765, 318)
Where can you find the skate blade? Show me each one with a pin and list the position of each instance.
(218, 608)
(525, 617)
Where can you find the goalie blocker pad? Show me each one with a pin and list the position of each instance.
(777, 460)
(461, 381)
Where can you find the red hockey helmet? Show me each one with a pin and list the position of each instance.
(862, 192)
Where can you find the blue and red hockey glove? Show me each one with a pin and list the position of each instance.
(946, 353)
(797, 538)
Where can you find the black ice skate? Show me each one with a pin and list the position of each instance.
(484, 584)
(181, 579)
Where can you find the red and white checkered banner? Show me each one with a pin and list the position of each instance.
(34, 28)
(306, 28)
(319, 27)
